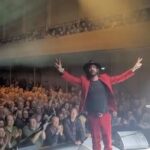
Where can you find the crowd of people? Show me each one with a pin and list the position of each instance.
(47, 117)
(43, 117)
(81, 25)
(132, 112)
(77, 26)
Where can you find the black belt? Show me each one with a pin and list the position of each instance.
(97, 114)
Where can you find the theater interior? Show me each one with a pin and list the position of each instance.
(113, 33)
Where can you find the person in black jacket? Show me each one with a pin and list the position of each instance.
(73, 128)
(54, 133)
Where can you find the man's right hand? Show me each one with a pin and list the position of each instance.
(58, 65)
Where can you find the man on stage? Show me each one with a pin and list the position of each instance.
(97, 98)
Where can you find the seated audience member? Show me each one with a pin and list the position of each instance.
(27, 104)
(2, 115)
(145, 120)
(19, 123)
(33, 107)
(38, 119)
(12, 132)
(116, 121)
(73, 128)
(124, 125)
(3, 139)
(38, 110)
(66, 106)
(61, 117)
(36, 136)
(64, 112)
(83, 119)
(20, 104)
(54, 133)
(2, 123)
(25, 116)
(132, 121)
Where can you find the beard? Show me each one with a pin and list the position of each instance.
(92, 73)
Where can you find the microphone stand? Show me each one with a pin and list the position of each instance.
(82, 143)
(15, 147)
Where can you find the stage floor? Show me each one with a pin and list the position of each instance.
(67, 147)
(87, 145)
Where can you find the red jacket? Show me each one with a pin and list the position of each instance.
(105, 78)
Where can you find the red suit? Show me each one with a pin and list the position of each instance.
(103, 123)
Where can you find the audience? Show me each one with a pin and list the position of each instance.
(47, 117)
(81, 25)
(78, 26)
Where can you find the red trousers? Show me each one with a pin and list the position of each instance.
(101, 128)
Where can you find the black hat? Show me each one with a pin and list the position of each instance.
(89, 63)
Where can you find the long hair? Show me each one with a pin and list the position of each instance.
(87, 73)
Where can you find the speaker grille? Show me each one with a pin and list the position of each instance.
(130, 140)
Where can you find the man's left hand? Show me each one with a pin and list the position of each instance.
(138, 64)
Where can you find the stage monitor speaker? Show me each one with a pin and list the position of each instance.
(125, 140)
(146, 133)
(32, 147)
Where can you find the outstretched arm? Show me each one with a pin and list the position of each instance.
(65, 75)
(124, 76)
